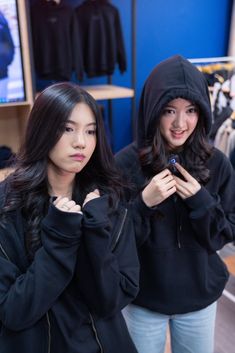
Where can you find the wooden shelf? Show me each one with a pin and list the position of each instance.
(108, 91)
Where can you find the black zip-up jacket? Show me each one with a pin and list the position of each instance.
(178, 239)
(69, 299)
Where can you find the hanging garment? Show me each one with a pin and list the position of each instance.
(101, 37)
(225, 137)
(56, 42)
(219, 119)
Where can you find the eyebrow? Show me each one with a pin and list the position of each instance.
(74, 123)
(187, 106)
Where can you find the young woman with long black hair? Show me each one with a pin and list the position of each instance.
(68, 261)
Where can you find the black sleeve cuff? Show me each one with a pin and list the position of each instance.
(201, 202)
(95, 212)
(67, 223)
(143, 208)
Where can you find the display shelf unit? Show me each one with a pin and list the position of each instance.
(13, 116)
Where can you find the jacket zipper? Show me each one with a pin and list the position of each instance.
(120, 230)
(96, 334)
(47, 315)
(178, 235)
(112, 249)
(178, 224)
(4, 252)
(49, 332)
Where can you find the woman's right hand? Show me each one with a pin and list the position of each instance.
(66, 205)
(160, 188)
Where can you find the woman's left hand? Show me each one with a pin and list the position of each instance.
(91, 196)
(188, 187)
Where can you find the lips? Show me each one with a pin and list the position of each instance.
(78, 157)
(177, 134)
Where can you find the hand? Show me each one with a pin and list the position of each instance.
(160, 188)
(91, 196)
(66, 205)
(188, 187)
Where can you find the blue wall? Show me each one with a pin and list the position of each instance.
(192, 28)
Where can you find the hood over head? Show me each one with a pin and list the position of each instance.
(173, 78)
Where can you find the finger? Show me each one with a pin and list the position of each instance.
(62, 201)
(55, 202)
(184, 172)
(70, 203)
(180, 194)
(75, 209)
(162, 174)
(180, 181)
(167, 179)
(170, 191)
(171, 185)
(65, 204)
(96, 191)
(93, 195)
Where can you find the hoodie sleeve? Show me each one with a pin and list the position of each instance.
(108, 267)
(212, 209)
(25, 296)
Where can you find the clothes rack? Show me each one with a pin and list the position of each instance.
(212, 60)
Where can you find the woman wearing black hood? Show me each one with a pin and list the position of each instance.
(183, 203)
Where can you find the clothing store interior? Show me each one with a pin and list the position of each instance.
(49, 43)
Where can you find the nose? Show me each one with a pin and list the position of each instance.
(79, 141)
(179, 120)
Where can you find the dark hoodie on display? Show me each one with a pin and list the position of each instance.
(178, 239)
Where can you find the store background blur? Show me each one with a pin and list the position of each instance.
(194, 29)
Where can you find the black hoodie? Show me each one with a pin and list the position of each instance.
(178, 239)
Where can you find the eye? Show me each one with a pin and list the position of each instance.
(168, 111)
(68, 129)
(193, 110)
(91, 132)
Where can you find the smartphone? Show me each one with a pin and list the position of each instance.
(172, 160)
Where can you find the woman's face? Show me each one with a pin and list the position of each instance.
(75, 147)
(178, 121)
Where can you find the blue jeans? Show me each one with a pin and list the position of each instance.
(190, 333)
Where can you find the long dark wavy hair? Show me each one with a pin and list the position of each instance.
(27, 187)
(193, 154)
